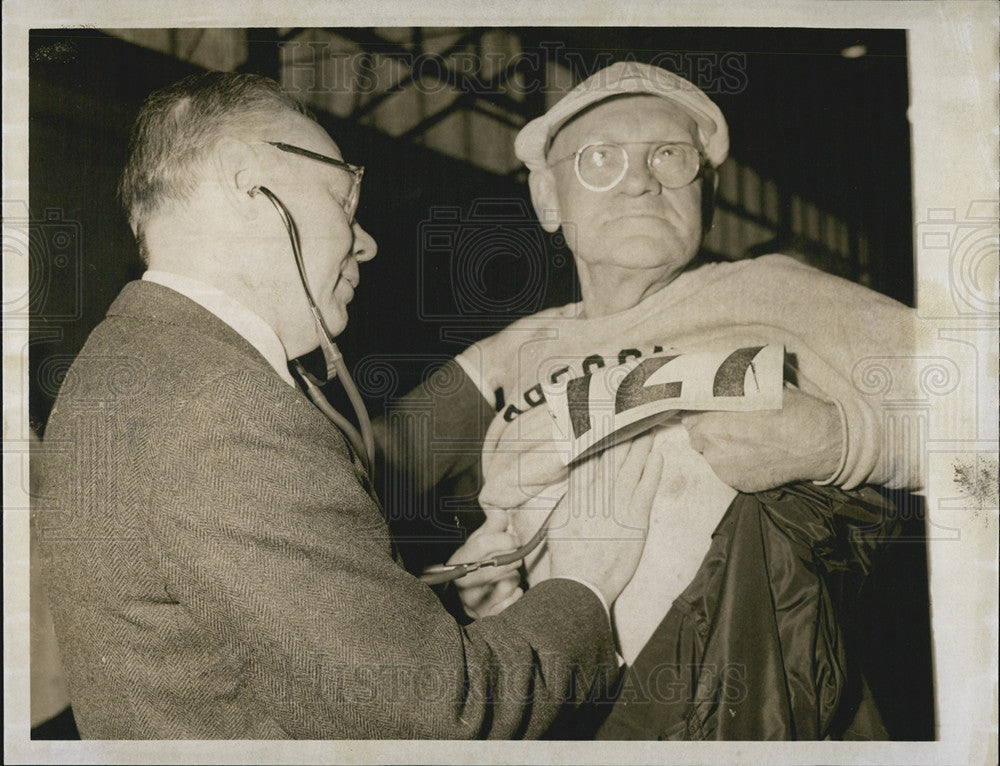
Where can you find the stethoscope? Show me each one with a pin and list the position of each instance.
(441, 573)
(363, 442)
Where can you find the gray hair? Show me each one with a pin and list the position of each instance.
(178, 125)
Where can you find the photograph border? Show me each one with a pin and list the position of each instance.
(952, 50)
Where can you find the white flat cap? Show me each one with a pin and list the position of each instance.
(625, 77)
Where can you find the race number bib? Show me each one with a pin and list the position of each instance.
(613, 404)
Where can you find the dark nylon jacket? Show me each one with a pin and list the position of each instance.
(756, 647)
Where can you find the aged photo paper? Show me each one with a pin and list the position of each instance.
(951, 83)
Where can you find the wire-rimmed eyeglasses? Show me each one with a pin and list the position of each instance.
(350, 202)
(601, 166)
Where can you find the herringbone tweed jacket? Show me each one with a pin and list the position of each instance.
(218, 568)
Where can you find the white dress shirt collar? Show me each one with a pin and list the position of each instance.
(255, 330)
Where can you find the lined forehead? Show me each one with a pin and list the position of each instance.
(626, 118)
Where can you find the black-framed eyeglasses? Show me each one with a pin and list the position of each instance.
(350, 203)
(601, 166)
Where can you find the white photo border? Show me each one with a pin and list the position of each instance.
(952, 50)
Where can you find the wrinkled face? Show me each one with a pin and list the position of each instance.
(637, 224)
(313, 192)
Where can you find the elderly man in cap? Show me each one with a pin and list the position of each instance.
(762, 523)
(218, 564)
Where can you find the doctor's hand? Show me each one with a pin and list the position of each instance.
(755, 451)
(522, 463)
(599, 529)
(489, 590)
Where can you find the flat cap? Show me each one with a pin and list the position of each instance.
(626, 77)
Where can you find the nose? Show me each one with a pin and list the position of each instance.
(638, 178)
(364, 245)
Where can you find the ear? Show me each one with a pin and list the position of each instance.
(237, 171)
(545, 199)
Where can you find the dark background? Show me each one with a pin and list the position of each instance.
(831, 129)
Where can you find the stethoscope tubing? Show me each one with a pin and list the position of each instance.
(441, 573)
(363, 443)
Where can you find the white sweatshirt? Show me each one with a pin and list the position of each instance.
(848, 344)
